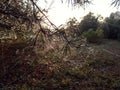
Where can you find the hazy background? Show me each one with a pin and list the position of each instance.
(59, 12)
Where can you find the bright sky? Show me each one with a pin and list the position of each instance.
(59, 13)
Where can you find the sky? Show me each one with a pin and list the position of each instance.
(59, 12)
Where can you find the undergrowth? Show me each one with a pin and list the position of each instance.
(84, 69)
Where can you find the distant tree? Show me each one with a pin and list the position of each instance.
(89, 21)
(111, 26)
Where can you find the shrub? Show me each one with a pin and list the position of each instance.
(94, 36)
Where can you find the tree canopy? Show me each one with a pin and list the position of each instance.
(89, 21)
(111, 26)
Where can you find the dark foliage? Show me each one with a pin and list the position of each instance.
(112, 26)
(19, 21)
(88, 22)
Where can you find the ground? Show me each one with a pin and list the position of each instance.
(91, 67)
(104, 59)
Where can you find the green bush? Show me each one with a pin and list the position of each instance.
(93, 36)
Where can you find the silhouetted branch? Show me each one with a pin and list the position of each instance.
(116, 3)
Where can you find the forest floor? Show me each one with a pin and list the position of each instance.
(104, 63)
(91, 67)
